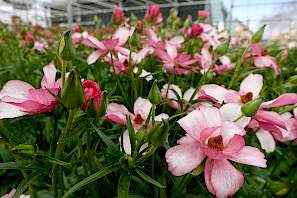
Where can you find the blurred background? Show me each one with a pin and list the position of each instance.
(238, 17)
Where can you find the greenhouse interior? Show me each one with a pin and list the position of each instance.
(148, 98)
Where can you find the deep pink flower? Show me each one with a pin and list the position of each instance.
(153, 15)
(117, 15)
(19, 98)
(92, 91)
(113, 45)
(29, 38)
(209, 136)
(262, 59)
(196, 30)
(203, 14)
(174, 62)
(76, 28)
(117, 113)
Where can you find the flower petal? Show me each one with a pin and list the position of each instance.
(10, 111)
(184, 158)
(93, 57)
(222, 179)
(142, 107)
(282, 100)
(117, 113)
(266, 140)
(16, 88)
(215, 91)
(231, 112)
(252, 83)
(251, 156)
(49, 78)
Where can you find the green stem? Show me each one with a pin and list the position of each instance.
(63, 72)
(153, 114)
(150, 152)
(59, 150)
(237, 67)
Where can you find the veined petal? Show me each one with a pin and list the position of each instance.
(222, 179)
(250, 156)
(266, 140)
(184, 158)
(282, 100)
(92, 58)
(16, 88)
(252, 83)
(49, 78)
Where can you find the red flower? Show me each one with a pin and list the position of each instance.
(92, 91)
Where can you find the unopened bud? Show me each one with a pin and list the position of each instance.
(154, 94)
(65, 48)
(72, 95)
(257, 37)
(250, 109)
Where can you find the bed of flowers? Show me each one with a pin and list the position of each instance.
(145, 108)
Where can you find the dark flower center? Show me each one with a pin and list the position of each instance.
(216, 143)
(138, 119)
(246, 97)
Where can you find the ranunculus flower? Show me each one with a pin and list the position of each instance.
(203, 14)
(153, 14)
(19, 98)
(174, 62)
(92, 91)
(262, 59)
(196, 30)
(113, 45)
(209, 137)
(117, 15)
(117, 113)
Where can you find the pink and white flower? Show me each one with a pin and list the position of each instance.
(209, 137)
(117, 113)
(19, 98)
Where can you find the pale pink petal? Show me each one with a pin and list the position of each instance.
(222, 179)
(171, 94)
(212, 116)
(187, 139)
(207, 175)
(234, 146)
(215, 91)
(231, 112)
(266, 140)
(93, 42)
(126, 142)
(142, 107)
(10, 111)
(193, 123)
(172, 51)
(16, 88)
(183, 158)
(92, 58)
(267, 61)
(250, 156)
(49, 78)
(117, 113)
(176, 41)
(252, 83)
(229, 129)
(270, 117)
(161, 116)
(282, 100)
(188, 94)
(232, 97)
(123, 34)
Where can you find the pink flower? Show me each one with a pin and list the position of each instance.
(196, 29)
(262, 59)
(92, 91)
(174, 62)
(29, 38)
(40, 46)
(76, 28)
(203, 14)
(10, 194)
(78, 37)
(210, 35)
(153, 15)
(282, 100)
(112, 45)
(117, 113)
(225, 66)
(117, 15)
(19, 98)
(209, 136)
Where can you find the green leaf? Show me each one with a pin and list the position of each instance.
(103, 172)
(257, 37)
(123, 185)
(25, 184)
(104, 137)
(149, 179)
(18, 165)
(131, 133)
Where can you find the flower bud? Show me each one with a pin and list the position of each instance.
(196, 29)
(65, 48)
(257, 37)
(159, 133)
(72, 95)
(188, 21)
(154, 94)
(203, 14)
(250, 109)
(223, 48)
(117, 15)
